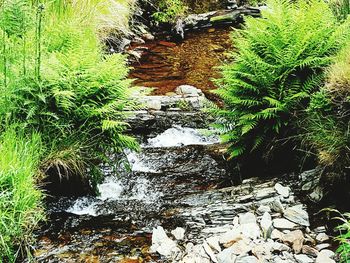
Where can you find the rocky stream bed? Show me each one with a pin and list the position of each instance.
(181, 200)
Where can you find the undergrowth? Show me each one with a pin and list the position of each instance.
(278, 64)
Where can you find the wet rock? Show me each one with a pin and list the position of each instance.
(310, 251)
(325, 257)
(322, 237)
(294, 238)
(162, 244)
(227, 256)
(179, 233)
(303, 258)
(297, 215)
(282, 223)
(282, 190)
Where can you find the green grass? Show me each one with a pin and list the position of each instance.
(20, 198)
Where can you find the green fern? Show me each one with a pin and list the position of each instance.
(278, 64)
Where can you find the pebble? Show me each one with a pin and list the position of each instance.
(301, 258)
(324, 257)
(297, 215)
(281, 190)
(309, 251)
(263, 209)
(282, 223)
(320, 247)
(179, 233)
(296, 239)
(322, 237)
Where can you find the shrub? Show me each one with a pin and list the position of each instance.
(278, 63)
(69, 87)
(20, 200)
(327, 123)
(169, 10)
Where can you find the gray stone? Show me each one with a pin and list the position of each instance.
(179, 233)
(297, 215)
(328, 253)
(250, 230)
(266, 223)
(247, 218)
(230, 237)
(276, 206)
(162, 244)
(282, 223)
(301, 258)
(282, 190)
(324, 257)
(279, 247)
(226, 256)
(213, 242)
(187, 91)
(322, 237)
(154, 104)
(246, 259)
(276, 234)
(210, 252)
(320, 247)
(294, 238)
(262, 209)
(307, 250)
(241, 247)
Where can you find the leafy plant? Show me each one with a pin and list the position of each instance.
(341, 8)
(20, 199)
(278, 64)
(327, 124)
(169, 10)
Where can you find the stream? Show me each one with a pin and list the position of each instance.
(180, 178)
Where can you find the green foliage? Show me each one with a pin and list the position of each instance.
(341, 8)
(169, 10)
(278, 64)
(20, 200)
(327, 124)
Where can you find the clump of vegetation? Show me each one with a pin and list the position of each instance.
(278, 65)
(327, 123)
(57, 84)
(169, 10)
(341, 8)
(20, 199)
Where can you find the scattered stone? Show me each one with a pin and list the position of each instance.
(324, 257)
(317, 194)
(250, 230)
(277, 206)
(322, 237)
(276, 234)
(246, 259)
(279, 247)
(179, 233)
(266, 223)
(213, 242)
(310, 251)
(230, 237)
(247, 218)
(162, 244)
(282, 223)
(320, 247)
(303, 258)
(263, 209)
(294, 238)
(263, 251)
(241, 247)
(154, 104)
(328, 253)
(281, 190)
(297, 215)
(226, 256)
(210, 252)
(320, 229)
(188, 91)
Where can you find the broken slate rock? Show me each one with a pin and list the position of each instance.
(297, 215)
(301, 258)
(226, 256)
(282, 190)
(294, 238)
(282, 223)
(178, 233)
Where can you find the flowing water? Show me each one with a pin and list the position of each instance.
(175, 176)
